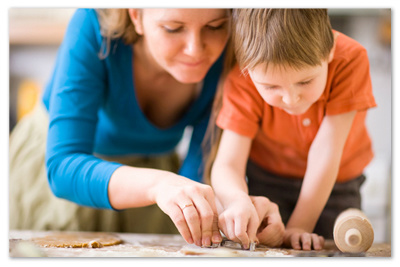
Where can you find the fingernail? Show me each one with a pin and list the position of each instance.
(190, 240)
(198, 242)
(206, 242)
(217, 238)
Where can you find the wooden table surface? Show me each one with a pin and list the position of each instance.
(155, 245)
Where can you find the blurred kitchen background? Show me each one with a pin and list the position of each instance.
(36, 33)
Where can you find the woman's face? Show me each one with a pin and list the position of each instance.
(183, 42)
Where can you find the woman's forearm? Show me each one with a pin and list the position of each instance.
(132, 187)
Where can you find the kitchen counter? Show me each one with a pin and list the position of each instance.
(156, 245)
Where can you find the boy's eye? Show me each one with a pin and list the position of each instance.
(305, 82)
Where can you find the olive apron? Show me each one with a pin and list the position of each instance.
(33, 206)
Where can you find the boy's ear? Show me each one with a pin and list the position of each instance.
(332, 53)
(136, 18)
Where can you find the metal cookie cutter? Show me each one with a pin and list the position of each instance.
(235, 245)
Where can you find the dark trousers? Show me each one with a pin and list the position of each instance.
(285, 192)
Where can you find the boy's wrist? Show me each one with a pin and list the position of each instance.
(232, 197)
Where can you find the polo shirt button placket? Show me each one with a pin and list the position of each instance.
(306, 122)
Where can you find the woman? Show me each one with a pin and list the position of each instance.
(125, 86)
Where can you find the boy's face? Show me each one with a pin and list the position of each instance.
(292, 90)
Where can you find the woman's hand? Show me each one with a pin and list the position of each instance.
(191, 206)
(271, 228)
(239, 220)
(300, 239)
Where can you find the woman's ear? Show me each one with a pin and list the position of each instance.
(332, 53)
(136, 18)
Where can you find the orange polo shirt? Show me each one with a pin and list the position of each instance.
(281, 141)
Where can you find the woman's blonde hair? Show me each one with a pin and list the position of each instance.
(288, 37)
(213, 133)
(115, 24)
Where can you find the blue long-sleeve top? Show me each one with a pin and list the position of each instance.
(93, 110)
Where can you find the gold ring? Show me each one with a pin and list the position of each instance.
(187, 205)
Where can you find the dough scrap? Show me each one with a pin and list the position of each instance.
(78, 240)
(192, 250)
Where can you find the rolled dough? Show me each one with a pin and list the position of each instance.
(77, 240)
(192, 250)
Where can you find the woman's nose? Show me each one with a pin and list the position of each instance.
(194, 45)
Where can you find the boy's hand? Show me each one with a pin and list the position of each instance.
(239, 221)
(300, 239)
(271, 228)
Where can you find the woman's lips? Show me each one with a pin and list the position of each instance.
(193, 64)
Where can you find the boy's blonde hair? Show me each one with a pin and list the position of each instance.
(288, 37)
(115, 24)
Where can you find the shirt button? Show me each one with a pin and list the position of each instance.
(306, 122)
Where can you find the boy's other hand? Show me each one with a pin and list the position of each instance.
(300, 239)
(271, 228)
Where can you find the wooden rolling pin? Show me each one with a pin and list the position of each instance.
(353, 231)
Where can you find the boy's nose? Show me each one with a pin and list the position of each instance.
(290, 98)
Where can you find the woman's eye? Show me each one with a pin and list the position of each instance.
(172, 30)
(218, 27)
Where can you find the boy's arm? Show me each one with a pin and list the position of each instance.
(322, 169)
(229, 168)
(242, 218)
(238, 217)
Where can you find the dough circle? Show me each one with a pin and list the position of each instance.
(77, 240)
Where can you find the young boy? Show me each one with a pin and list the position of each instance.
(293, 119)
